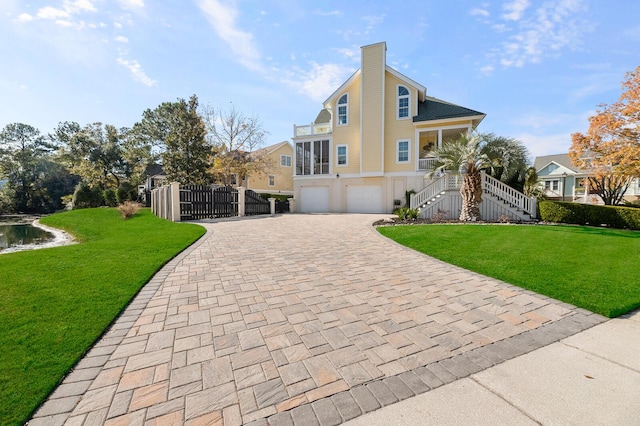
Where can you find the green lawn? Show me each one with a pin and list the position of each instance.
(54, 303)
(593, 268)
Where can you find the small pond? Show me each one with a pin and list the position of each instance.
(21, 235)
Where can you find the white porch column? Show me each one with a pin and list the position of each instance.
(272, 205)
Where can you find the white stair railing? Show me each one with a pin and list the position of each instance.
(511, 196)
(429, 192)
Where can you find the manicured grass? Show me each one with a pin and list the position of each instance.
(54, 303)
(592, 268)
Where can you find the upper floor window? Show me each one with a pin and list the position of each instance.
(402, 151)
(285, 160)
(403, 102)
(342, 155)
(272, 180)
(343, 110)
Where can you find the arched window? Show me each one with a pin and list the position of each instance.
(343, 110)
(403, 102)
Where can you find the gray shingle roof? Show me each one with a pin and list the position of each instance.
(436, 109)
(561, 159)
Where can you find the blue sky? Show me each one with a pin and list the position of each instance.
(538, 69)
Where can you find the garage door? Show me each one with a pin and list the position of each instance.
(364, 199)
(314, 199)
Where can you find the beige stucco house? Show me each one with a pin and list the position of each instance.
(278, 178)
(369, 144)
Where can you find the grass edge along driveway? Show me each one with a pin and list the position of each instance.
(592, 268)
(55, 303)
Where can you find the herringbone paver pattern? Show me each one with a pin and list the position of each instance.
(299, 319)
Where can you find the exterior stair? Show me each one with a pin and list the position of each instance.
(442, 197)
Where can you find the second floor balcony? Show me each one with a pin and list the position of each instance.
(311, 129)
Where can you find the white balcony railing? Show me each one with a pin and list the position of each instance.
(311, 129)
(427, 163)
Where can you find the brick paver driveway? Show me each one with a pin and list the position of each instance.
(299, 319)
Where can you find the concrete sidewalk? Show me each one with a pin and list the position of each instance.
(590, 378)
(317, 320)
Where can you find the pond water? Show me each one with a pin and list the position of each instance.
(14, 235)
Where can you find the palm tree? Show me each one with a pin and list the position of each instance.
(472, 153)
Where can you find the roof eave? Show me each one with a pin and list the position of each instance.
(327, 103)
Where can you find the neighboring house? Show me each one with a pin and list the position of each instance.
(565, 182)
(155, 178)
(278, 177)
(369, 144)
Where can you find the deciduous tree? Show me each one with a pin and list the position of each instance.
(235, 139)
(610, 150)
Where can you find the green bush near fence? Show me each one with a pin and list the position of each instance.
(588, 214)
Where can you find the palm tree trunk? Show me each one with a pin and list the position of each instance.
(471, 191)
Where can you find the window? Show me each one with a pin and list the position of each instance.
(312, 158)
(343, 108)
(551, 185)
(272, 180)
(285, 160)
(403, 102)
(402, 149)
(341, 151)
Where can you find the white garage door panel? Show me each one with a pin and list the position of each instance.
(314, 199)
(364, 199)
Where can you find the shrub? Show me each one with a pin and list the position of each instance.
(279, 197)
(87, 197)
(405, 213)
(588, 214)
(127, 192)
(110, 197)
(440, 217)
(128, 209)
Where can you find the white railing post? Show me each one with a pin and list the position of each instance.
(272, 205)
(240, 201)
(174, 202)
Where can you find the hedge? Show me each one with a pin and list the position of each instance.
(589, 214)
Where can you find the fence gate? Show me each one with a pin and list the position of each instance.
(225, 202)
(205, 202)
(255, 204)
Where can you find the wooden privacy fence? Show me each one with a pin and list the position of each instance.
(192, 202)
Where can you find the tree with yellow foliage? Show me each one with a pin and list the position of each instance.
(610, 150)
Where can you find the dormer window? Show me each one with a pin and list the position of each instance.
(403, 102)
(343, 110)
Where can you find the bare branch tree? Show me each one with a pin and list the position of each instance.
(236, 139)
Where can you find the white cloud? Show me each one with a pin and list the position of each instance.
(122, 39)
(373, 20)
(24, 17)
(545, 144)
(487, 69)
(222, 18)
(352, 53)
(546, 31)
(64, 16)
(317, 81)
(51, 13)
(515, 9)
(479, 12)
(131, 4)
(330, 13)
(136, 71)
